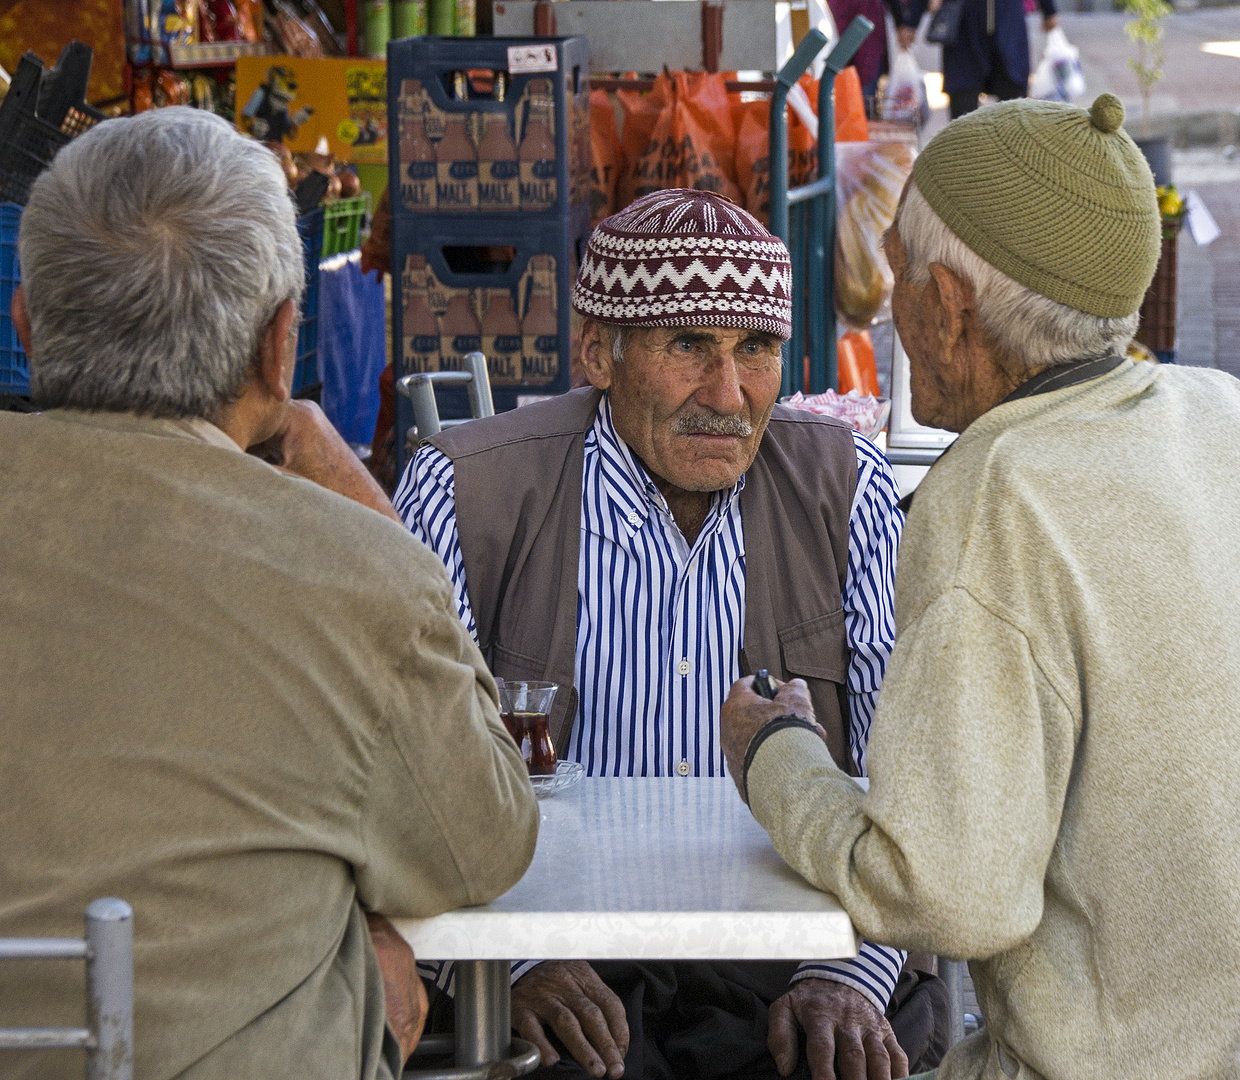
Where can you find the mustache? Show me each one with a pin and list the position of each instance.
(711, 424)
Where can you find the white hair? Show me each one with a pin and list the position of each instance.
(1028, 327)
(155, 251)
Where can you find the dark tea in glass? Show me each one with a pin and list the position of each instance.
(525, 708)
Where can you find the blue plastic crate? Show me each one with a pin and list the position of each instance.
(306, 373)
(14, 367)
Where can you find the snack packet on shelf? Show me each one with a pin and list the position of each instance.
(867, 415)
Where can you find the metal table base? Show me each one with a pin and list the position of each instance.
(483, 1046)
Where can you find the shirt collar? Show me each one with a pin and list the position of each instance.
(628, 485)
(192, 427)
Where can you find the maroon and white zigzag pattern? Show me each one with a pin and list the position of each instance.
(599, 276)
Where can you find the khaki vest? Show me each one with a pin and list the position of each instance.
(518, 512)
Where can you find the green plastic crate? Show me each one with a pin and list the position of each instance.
(342, 223)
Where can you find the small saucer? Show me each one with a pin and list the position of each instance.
(567, 773)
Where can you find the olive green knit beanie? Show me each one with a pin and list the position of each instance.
(1057, 198)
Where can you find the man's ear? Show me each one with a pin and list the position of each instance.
(953, 308)
(277, 353)
(596, 357)
(21, 318)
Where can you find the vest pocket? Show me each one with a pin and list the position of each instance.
(817, 648)
(514, 665)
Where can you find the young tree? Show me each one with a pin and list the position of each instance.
(1145, 30)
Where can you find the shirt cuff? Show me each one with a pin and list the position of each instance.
(443, 972)
(873, 974)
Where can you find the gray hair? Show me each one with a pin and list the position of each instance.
(1030, 329)
(155, 251)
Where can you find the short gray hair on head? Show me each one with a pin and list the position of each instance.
(620, 337)
(155, 250)
(1032, 330)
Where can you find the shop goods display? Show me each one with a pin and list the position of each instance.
(480, 132)
(869, 179)
(865, 413)
(490, 208)
(335, 106)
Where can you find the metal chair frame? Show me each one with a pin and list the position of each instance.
(420, 390)
(108, 952)
(804, 218)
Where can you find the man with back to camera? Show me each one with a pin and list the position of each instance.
(1055, 762)
(641, 543)
(217, 707)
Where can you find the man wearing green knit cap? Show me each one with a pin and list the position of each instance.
(1055, 759)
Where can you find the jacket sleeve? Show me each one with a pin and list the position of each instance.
(969, 763)
(450, 818)
(916, 9)
(1048, 8)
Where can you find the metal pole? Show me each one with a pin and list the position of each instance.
(826, 374)
(109, 989)
(811, 45)
(483, 1012)
(952, 973)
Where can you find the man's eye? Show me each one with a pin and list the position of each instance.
(685, 344)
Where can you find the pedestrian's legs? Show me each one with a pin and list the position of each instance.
(869, 94)
(962, 101)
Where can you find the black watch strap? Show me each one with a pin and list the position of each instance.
(765, 732)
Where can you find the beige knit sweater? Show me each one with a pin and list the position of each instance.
(1055, 763)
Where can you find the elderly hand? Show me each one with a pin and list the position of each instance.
(745, 712)
(842, 1029)
(1049, 23)
(404, 995)
(307, 445)
(582, 1011)
(906, 35)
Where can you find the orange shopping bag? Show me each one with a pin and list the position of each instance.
(606, 157)
(691, 144)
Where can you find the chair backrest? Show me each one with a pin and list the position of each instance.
(420, 390)
(108, 952)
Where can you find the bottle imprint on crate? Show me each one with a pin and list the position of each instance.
(499, 88)
(418, 163)
(538, 165)
(540, 330)
(459, 332)
(498, 171)
(501, 339)
(418, 322)
(457, 157)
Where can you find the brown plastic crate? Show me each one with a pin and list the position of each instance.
(1157, 329)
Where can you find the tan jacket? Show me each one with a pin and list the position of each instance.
(1055, 760)
(518, 512)
(244, 704)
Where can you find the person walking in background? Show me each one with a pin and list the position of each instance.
(990, 54)
(871, 60)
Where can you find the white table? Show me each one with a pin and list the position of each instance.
(670, 869)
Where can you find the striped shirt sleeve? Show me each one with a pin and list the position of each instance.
(874, 528)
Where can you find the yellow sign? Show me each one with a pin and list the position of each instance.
(298, 102)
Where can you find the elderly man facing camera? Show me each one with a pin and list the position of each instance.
(1055, 764)
(216, 705)
(643, 543)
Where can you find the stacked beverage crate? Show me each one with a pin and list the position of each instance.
(490, 196)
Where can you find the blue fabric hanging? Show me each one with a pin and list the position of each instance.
(352, 351)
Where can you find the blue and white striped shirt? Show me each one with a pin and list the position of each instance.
(660, 625)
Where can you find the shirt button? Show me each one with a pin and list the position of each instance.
(683, 768)
(683, 667)
(635, 518)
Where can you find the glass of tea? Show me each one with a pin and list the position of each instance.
(525, 708)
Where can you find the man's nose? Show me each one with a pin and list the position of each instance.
(721, 386)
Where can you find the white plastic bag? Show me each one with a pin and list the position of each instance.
(1058, 77)
(906, 99)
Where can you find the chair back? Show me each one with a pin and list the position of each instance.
(420, 390)
(108, 952)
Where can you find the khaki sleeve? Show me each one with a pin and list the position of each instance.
(969, 763)
(450, 817)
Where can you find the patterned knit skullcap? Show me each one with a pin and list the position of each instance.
(686, 258)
